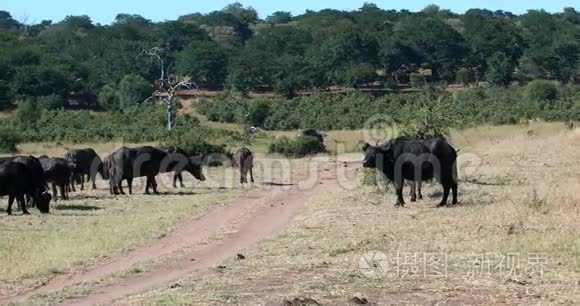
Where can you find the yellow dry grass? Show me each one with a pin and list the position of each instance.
(518, 197)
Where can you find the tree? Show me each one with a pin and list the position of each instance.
(27, 114)
(485, 36)
(553, 49)
(7, 22)
(279, 40)
(4, 95)
(339, 53)
(133, 90)
(279, 18)
(439, 45)
(247, 15)
(204, 62)
(500, 70)
(175, 36)
(109, 98)
(35, 81)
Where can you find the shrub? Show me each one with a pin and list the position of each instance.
(27, 114)
(51, 102)
(418, 80)
(297, 147)
(109, 98)
(541, 91)
(257, 112)
(133, 90)
(432, 118)
(464, 76)
(9, 139)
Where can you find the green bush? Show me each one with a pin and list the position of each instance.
(418, 80)
(109, 98)
(430, 111)
(9, 139)
(297, 147)
(27, 114)
(541, 91)
(133, 90)
(51, 102)
(258, 111)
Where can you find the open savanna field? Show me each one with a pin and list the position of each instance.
(310, 229)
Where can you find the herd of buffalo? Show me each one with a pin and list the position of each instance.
(26, 178)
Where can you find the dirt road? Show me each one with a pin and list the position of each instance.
(201, 243)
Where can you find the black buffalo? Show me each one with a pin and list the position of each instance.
(415, 160)
(129, 163)
(313, 133)
(181, 162)
(18, 180)
(88, 164)
(244, 159)
(59, 173)
(38, 179)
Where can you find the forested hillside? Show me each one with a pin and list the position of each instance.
(77, 62)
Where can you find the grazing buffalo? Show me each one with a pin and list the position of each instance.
(58, 172)
(39, 180)
(181, 162)
(18, 180)
(313, 133)
(88, 163)
(415, 160)
(244, 159)
(129, 163)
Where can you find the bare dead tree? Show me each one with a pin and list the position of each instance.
(167, 86)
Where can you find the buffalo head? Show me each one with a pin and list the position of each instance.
(43, 202)
(376, 153)
(195, 169)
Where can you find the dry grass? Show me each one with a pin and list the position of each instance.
(518, 195)
(95, 224)
(91, 225)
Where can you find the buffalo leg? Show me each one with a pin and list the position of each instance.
(180, 178)
(10, 202)
(93, 179)
(112, 188)
(29, 201)
(20, 200)
(154, 185)
(147, 185)
(454, 188)
(82, 177)
(130, 185)
(175, 180)
(63, 193)
(399, 190)
(252, 174)
(446, 189)
(413, 193)
(54, 193)
(419, 193)
(400, 201)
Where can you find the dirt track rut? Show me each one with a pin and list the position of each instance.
(197, 244)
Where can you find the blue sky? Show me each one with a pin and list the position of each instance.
(104, 11)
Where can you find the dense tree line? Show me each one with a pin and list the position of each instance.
(75, 62)
(430, 111)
